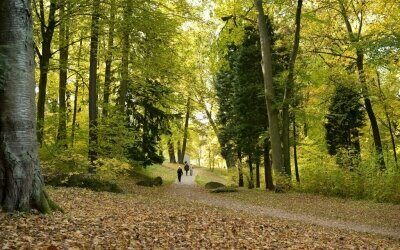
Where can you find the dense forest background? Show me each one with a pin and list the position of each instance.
(125, 83)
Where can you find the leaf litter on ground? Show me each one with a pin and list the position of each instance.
(153, 219)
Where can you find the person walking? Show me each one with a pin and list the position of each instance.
(190, 169)
(186, 167)
(180, 173)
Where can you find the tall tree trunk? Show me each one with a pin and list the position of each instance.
(94, 40)
(47, 32)
(288, 94)
(296, 165)
(179, 152)
(228, 155)
(123, 89)
(269, 184)
(251, 175)
(273, 121)
(258, 171)
(62, 85)
(240, 169)
(387, 117)
(171, 151)
(21, 182)
(109, 59)
(370, 111)
(354, 38)
(76, 92)
(185, 132)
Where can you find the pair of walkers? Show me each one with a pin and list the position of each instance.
(188, 168)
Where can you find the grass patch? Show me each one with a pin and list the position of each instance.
(220, 175)
(167, 173)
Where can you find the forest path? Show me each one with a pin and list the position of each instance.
(187, 180)
(188, 189)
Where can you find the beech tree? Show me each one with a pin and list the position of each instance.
(276, 146)
(21, 182)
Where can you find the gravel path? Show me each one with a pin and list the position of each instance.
(187, 189)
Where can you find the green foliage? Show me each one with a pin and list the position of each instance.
(112, 168)
(53, 160)
(345, 119)
(83, 181)
(148, 111)
(153, 173)
(323, 176)
(282, 184)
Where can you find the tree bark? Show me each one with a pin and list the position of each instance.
(76, 92)
(171, 152)
(258, 171)
(251, 177)
(266, 64)
(228, 156)
(63, 74)
(354, 38)
(387, 117)
(288, 94)
(269, 184)
(47, 32)
(109, 59)
(179, 151)
(240, 169)
(94, 40)
(185, 132)
(370, 111)
(123, 89)
(21, 182)
(296, 165)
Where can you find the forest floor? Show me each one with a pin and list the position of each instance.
(183, 216)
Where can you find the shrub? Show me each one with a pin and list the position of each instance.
(213, 185)
(158, 181)
(83, 181)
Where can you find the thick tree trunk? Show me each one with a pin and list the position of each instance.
(94, 40)
(288, 95)
(76, 92)
(21, 182)
(171, 151)
(266, 64)
(109, 59)
(47, 32)
(62, 86)
(185, 132)
(269, 184)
